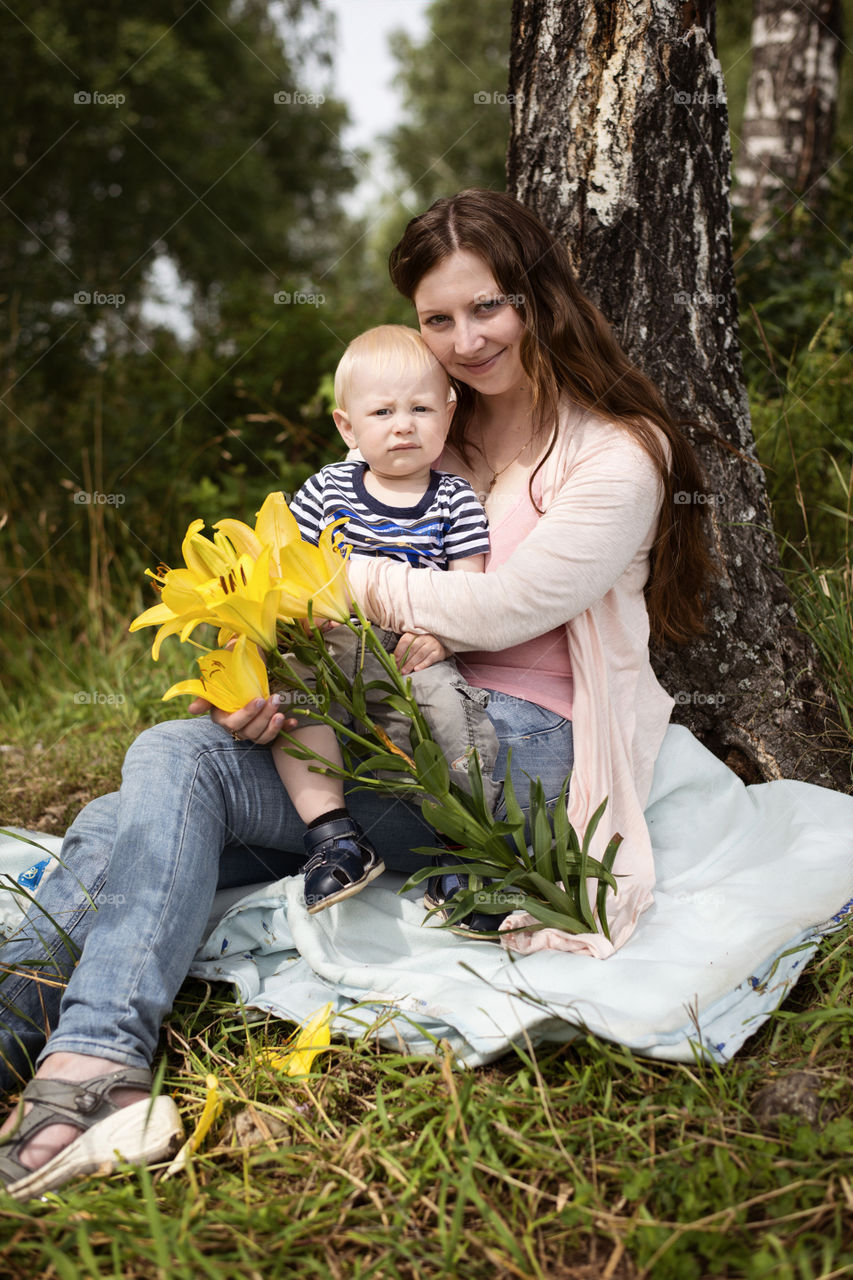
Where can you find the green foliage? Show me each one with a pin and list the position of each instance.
(113, 427)
(130, 136)
(734, 30)
(803, 434)
(454, 86)
(795, 285)
(790, 277)
(824, 599)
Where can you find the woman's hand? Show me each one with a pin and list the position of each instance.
(415, 653)
(260, 721)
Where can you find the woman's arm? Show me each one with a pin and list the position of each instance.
(583, 544)
(416, 652)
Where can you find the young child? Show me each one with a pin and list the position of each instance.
(394, 407)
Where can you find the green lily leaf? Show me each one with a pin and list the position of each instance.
(601, 897)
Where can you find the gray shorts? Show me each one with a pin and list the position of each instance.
(454, 710)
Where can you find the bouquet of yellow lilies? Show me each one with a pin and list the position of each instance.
(262, 587)
(246, 582)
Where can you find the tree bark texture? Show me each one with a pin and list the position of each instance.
(620, 143)
(789, 119)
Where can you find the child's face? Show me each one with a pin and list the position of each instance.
(399, 422)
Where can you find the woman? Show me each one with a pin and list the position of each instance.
(577, 462)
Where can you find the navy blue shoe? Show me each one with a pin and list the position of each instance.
(440, 892)
(341, 861)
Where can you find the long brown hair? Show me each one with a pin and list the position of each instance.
(568, 349)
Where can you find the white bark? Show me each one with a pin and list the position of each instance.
(789, 118)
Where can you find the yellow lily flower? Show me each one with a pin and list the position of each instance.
(304, 572)
(317, 574)
(205, 559)
(229, 677)
(183, 604)
(275, 528)
(313, 1037)
(244, 600)
(244, 579)
(172, 624)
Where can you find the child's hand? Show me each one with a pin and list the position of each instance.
(415, 653)
(322, 624)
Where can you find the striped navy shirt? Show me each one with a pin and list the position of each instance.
(447, 524)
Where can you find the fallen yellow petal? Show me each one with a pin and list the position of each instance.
(312, 1038)
(210, 1112)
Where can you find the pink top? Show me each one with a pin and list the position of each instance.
(582, 568)
(540, 669)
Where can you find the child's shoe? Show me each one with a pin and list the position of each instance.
(341, 861)
(439, 895)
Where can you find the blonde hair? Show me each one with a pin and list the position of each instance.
(387, 347)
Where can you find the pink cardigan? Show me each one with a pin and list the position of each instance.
(583, 566)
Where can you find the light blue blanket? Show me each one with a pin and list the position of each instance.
(749, 881)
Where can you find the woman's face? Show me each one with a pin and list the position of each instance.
(470, 325)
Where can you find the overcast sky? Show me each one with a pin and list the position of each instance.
(365, 68)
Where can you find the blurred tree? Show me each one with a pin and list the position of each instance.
(789, 122)
(454, 86)
(133, 134)
(178, 132)
(734, 30)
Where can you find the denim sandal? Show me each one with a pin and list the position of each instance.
(341, 861)
(142, 1133)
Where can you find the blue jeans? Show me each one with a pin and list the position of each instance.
(197, 811)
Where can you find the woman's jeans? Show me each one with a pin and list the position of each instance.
(197, 811)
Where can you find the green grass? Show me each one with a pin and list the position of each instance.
(70, 706)
(579, 1161)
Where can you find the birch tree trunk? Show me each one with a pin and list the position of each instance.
(789, 118)
(620, 143)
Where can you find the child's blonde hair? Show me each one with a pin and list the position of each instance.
(393, 347)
